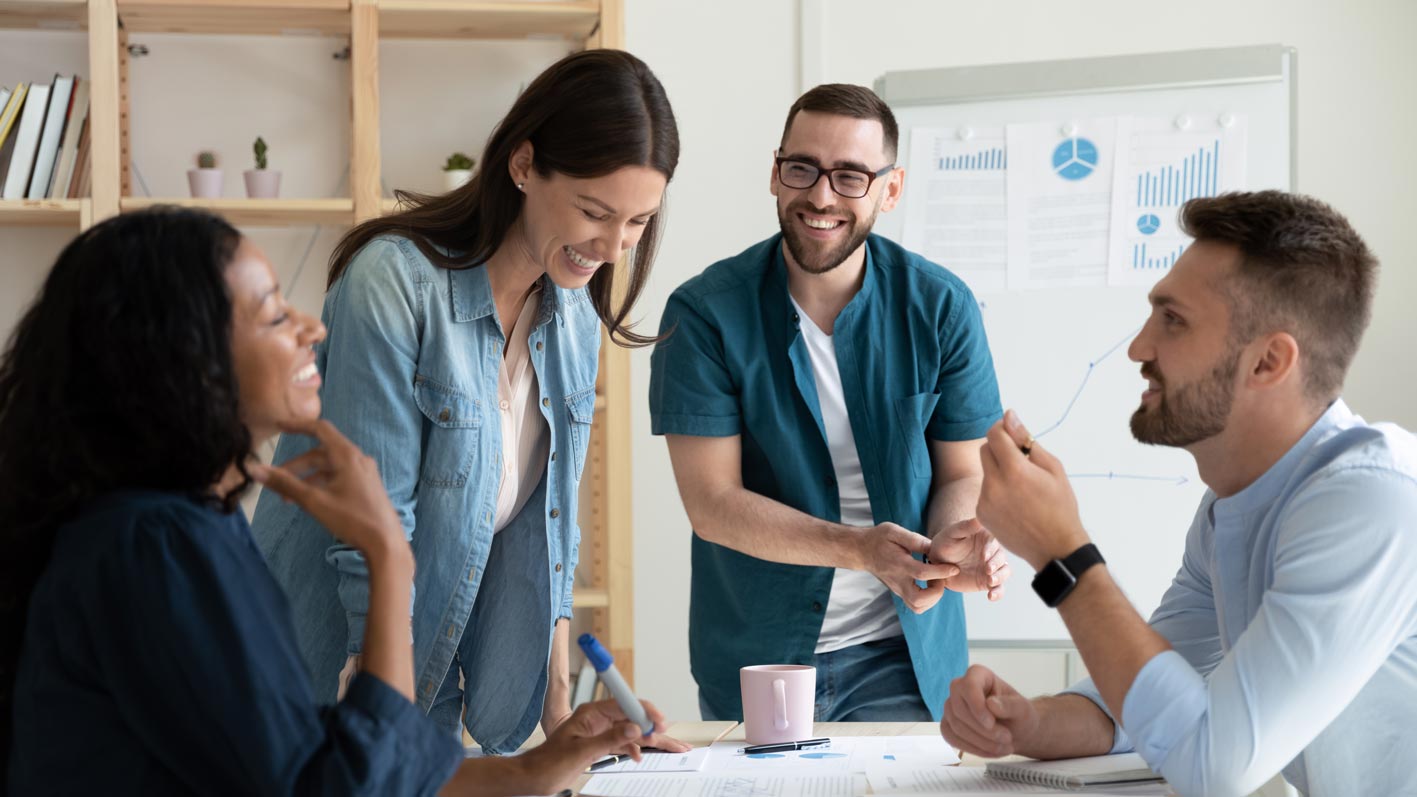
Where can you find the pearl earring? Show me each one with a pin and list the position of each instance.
(521, 187)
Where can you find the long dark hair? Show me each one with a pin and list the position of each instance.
(119, 376)
(587, 115)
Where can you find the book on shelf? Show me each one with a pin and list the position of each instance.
(79, 182)
(69, 149)
(26, 142)
(8, 115)
(61, 91)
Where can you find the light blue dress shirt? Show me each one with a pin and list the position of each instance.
(1294, 626)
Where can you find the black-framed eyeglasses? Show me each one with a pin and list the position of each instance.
(849, 183)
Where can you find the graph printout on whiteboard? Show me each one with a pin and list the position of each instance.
(1060, 202)
(1165, 162)
(955, 210)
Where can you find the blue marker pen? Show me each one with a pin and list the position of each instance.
(604, 666)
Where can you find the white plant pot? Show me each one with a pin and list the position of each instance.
(454, 179)
(262, 183)
(205, 183)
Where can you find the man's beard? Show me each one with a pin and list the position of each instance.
(808, 253)
(1194, 412)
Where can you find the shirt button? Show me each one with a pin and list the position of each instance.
(538, 345)
(504, 404)
(558, 567)
(546, 402)
(816, 607)
(553, 456)
(555, 513)
(795, 318)
(444, 415)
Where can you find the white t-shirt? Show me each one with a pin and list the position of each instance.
(860, 608)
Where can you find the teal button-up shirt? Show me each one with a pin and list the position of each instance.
(915, 367)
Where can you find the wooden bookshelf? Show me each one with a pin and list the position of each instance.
(44, 14)
(44, 212)
(606, 571)
(259, 17)
(259, 212)
(447, 19)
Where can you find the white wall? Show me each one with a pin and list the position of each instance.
(730, 68)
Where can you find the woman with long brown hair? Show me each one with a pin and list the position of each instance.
(464, 336)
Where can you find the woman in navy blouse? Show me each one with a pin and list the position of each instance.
(146, 647)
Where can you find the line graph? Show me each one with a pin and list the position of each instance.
(1109, 475)
(1090, 367)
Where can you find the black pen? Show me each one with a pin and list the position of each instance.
(784, 746)
(606, 762)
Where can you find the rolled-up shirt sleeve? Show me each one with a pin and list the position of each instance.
(691, 391)
(1185, 617)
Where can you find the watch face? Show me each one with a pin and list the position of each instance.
(1053, 583)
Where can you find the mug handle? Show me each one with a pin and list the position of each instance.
(779, 704)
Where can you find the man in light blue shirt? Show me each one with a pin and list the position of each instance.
(1288, 639)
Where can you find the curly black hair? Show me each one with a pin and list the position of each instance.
(118, 376)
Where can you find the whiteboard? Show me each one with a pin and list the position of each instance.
(1060, 353)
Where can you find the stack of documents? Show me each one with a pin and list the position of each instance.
(723, 770)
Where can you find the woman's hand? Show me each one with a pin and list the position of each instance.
(592, 732)
(340, 487)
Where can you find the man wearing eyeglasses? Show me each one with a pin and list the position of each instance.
(824, 395)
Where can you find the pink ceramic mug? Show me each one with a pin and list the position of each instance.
(778, 702)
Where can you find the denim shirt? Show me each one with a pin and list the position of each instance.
(410, 370)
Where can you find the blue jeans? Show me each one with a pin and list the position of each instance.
(871, 682)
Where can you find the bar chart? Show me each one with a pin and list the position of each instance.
(1172, 185)
(1144, 259)
(972, 161)
(1167, 162)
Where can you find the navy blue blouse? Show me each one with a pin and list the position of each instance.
(159, 658)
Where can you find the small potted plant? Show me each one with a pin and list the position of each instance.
(262, 183)
(456, 171)
(205, 180)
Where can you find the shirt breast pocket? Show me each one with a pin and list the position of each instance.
(580, 407)
(452, 429)
(913, 414)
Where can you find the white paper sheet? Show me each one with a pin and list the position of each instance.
(1161, 163)
(845, 754)
(1060, 202)
(692, 761)
(955, 209)
(726, 785)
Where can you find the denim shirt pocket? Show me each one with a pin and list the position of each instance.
(580, 407)
(914, 412)
(450, 442)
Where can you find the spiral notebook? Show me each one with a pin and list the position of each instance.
(1076, 773)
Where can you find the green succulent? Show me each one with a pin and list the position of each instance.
(206, 160)
(260, 148)
(457, 160)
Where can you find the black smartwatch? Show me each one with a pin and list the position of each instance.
(1058, 578)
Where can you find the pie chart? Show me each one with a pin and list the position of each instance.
(1148, 223)
(1075, 158)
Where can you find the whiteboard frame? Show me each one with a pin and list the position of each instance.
(1223, 66)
